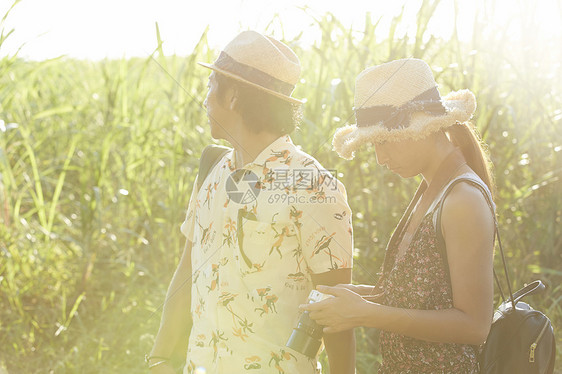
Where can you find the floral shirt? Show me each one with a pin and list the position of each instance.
(258, 234)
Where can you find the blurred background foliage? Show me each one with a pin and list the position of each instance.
(97, 161)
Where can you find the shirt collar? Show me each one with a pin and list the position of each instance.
(278, 151)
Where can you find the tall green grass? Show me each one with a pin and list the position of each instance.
(97, 161)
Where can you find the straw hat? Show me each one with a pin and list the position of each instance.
(399, 100)
(261, 62)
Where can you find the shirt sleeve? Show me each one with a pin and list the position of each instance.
(188, 225)
(325, 226)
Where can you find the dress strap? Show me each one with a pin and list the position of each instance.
(388, 259)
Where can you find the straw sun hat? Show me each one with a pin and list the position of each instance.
(399, 100)
(262, 62)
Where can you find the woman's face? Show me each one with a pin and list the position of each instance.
(406, 158)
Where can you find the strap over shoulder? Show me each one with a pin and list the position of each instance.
(478, 183)
(471, 179)
(210, 156)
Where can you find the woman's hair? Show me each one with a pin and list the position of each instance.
(259, 110)
(464, 136)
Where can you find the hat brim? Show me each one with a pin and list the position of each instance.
(240, 79)
(459, 105)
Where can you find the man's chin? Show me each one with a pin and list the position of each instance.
(216, 133)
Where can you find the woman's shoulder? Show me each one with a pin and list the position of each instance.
(468, 196)
(467, 220)
(467, 187)
(468, 184)
(465, 195)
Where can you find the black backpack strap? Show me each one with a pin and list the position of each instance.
(441, 241)
(210, 156)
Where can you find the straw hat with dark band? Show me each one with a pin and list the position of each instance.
(399, 100)
(261, 62)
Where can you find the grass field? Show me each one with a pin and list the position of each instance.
(97, 160)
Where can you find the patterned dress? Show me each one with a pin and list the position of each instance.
(418, 280)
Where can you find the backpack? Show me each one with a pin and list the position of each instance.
(521, 339)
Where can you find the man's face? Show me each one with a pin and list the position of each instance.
(217, 112)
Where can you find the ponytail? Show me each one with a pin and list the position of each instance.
(464, 136)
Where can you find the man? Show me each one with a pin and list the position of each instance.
(266, 226)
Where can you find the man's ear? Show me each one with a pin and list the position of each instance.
(232, 98)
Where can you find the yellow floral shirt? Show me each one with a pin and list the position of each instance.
(258, 234)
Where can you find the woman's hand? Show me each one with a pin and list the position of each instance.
(338, 313)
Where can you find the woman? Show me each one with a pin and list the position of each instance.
(433, 301)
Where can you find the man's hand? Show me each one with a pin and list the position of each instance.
(175, 326)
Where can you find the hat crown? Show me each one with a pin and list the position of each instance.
(265, 54)
(399, 100)
(393, 83)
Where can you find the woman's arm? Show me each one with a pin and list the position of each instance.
(468, 227)
(176, 317)
(468, 230)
